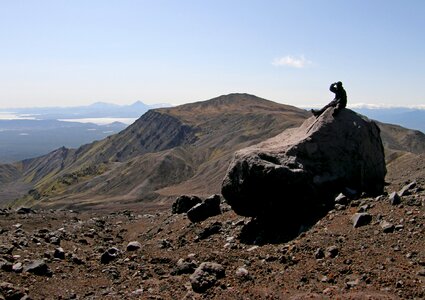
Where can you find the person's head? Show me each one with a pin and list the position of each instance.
(339, 84)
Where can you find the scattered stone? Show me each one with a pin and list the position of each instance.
(5, 265)
(319, 253)
(201, 211)
(109, 255)
(24, 210)
(38, 267)
(76, 260)
(406, 189)
(341, 199)
(387, 227)
(332, 252)
(6, 249)
(134, 246)
(205, 276)
(363, 208)
(165, 244)
(394, 198)
(17, 225)
(10, 292)
(252, 248)
(340, 207)
(361, 219)
(421, 272)
(184, 266)
(17, 268)
(55, 240)
(184, 203)
(352, 283)
(399, 227)
(242, 273)
(210, 230)
(59, 253)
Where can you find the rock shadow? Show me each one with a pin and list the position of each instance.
(275, 230)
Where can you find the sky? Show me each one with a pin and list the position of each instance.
(66, 53)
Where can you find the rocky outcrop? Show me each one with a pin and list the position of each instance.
(297, 172)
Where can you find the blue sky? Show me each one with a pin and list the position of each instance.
(64, 53)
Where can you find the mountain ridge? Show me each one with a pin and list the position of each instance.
(167, 152)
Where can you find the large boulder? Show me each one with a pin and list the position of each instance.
(303, 169)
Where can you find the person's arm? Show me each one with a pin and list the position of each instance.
(333, 88)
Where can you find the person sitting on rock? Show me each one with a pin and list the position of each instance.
(339, 102)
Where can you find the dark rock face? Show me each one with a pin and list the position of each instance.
(184, 203)
(301, 170)
(202, 211)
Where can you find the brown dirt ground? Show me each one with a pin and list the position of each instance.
(370, 264)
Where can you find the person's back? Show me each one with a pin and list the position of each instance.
(340, 94)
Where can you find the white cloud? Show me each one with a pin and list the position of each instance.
(298, 62)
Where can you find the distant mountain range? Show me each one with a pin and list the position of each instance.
(407, 117)
(95, 110)
(167, 152)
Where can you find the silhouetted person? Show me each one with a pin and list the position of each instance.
(339, 102)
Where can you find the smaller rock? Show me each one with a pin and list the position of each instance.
(76, 260)
(387, 227)
(210, 230)
(9, 291)
(399, 227)
(421, 272)
(341, 199)
(134, 246)
(202, 211)
(361, 219)
(406, 189)
(332, 252)
(38, 267)
(394, 198)
(59, 253)
(55, 240)
(6, 249)
(24, 210)
(319, 253)
(363, 208)
(340, 207)
(184, 266)
(17, 268)
(352, 283)
(6, 266)
(109, 255)
(242, 273)
(184, 203)
(205, 276)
